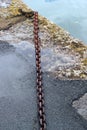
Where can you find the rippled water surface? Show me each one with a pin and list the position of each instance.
(70, 14)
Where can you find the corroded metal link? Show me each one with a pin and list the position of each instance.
(38, 54)
(37, 49)
(36, 45)
(36, 31)
(39, 86)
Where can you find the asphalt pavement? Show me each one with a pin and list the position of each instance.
(18, 107)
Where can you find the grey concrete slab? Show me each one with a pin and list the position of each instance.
(58, 97)
(18, 108)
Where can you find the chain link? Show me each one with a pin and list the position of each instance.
(39, 85)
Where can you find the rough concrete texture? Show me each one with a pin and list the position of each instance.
(81, 105)
(18, 108)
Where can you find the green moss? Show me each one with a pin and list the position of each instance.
(78, 47)
(12, 10)
(83, 75)
(84, 61)
(7, 23)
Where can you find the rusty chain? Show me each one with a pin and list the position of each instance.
(39, 85)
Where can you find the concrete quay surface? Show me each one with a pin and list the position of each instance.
(18, 107)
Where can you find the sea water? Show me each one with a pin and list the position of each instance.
(69, 14)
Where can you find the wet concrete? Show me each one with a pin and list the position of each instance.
(18, 108)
